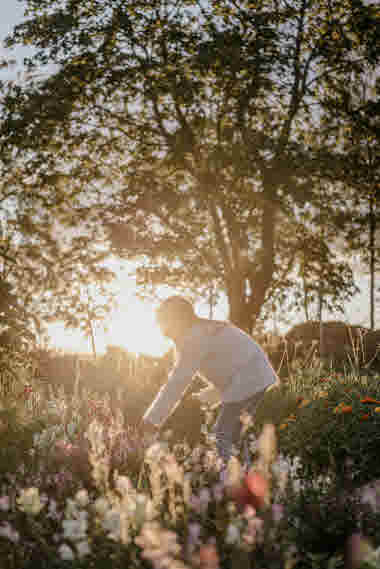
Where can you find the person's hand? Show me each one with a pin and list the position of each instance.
(148, 428)
(209, 395)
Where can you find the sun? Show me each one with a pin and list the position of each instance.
(132, 326)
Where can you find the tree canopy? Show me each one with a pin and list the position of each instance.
(193, 132)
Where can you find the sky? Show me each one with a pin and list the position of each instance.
(11, 14)
(133, 324)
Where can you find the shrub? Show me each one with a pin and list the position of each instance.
(336, 427)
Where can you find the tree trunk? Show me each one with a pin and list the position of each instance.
(372, 231)
(237, 299)
(247, 292)
(263, 273)
(320, 317)
(212, 301)
(305, 295)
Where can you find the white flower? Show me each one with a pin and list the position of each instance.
(374, 557)
(52, 510)
(53, 409)
(71, 429)
(101, 506)
(267, 445)
(196, 454)
(81, 497)
(29, 501)
(173, 471)
(193, 537)
(76, 529)
(111, 522)
(218, 492)
(123, 484)
(210, 459)
(7, 531)
(234, 472)
(233, 534)
(157, 542)
(368, 495)
(145, 510)
(66, 553)
(83, 548)
(204, 498)
(156, 451)
(72, 509)
(187, 489)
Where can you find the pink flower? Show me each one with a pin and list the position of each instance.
(277, 512)
(193, 539)
(218, 491)
(4, 503)
(254, 532)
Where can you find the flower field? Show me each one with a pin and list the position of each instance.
(80, 487)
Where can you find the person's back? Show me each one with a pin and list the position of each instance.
(225, 355)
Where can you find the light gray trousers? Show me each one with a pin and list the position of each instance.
(228, 426)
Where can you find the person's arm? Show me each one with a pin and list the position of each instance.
(148, 428)
(180, 378)
(210, 395)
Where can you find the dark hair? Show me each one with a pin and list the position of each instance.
(175, 308)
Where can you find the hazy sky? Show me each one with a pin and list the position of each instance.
(11, 14)
(357, 311)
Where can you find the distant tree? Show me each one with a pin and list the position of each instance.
(355, 118)
(48, 271)
(364, 155)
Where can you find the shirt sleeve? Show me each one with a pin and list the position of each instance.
(180, 378)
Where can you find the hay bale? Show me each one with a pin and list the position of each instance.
(342, 342)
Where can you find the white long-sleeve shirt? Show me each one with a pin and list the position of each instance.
(225, 356)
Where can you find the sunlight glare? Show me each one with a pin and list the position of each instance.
(135, 328)
(131, 326)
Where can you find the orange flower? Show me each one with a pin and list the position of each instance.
(364, 417)
(283, 426)
(253, 490)
(369, 400)
(377, 409)
(321, 394)
(342, 408)
(258, 486)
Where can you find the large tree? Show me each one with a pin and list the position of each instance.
(200, 123)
